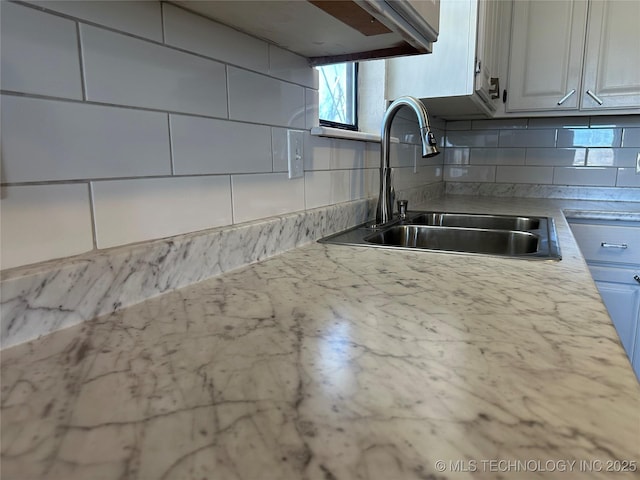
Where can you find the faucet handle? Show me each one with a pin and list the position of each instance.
(402, 208)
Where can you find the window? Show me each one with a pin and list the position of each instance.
(337, 95)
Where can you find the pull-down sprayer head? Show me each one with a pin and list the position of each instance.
(384, 211)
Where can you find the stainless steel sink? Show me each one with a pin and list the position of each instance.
(471, 240)
(498, 222)
(514, 236)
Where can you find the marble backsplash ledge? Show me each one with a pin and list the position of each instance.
(39, 299)
(619, 194)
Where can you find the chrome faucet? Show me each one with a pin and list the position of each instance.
(384, 212)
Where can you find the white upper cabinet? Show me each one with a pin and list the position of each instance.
(552, 66)
(612, 55)
(546, 55)
(328, 31)
(487, 61)
(460, 78)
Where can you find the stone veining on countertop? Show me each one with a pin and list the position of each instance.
(332, 362)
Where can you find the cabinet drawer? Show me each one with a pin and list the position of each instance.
(603, 273)
(607, 243)
(622, 302)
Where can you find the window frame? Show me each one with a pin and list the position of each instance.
(354, 103)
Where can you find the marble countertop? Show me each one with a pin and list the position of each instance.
(337, 362)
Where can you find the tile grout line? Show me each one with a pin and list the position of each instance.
(83, 79)
(171, 146)
(233, 213)
(92, 207)
(162, 23)
(35, 96)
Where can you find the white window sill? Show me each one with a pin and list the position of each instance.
(348, 134)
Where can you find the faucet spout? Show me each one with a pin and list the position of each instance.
(384, 212)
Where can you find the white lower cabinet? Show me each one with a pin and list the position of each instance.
(623, 304)
(611, 250)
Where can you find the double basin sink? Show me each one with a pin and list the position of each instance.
(483, 234)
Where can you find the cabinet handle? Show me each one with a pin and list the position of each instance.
(595, 97)
(636, 278)
(614, 245)
(566, 97)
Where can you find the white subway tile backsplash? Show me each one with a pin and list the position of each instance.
(261, 99)
(126, 71)
(364, 183)
(128, 211)
(280, 149)
(558, 157)
(458, 125)
(430, 173)
(527, 138)
(317, 152)
(499, 124)
(612, 157)
(206, 145)
(615, 121)
(329, 187)
(264, 195)
(372, 154)
(142, 19)
(317, 189)
(589, 137)
(519, 174)
(431, 161)
(457, 156)
(347, 154)
(312, 106)
(627, 177)
(39, 53)
(55, 140)
(197, 34)
(559, 150)
(559, 122)
(469, 173)
(588, 176)
(402, 155)
(406, 130)
(403, 178)
(291, 67)
(340, 188)
(371, 182)
(631, 137)
(497, 156)
(42, 222)
(479, 138)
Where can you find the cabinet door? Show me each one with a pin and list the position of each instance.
(636, 351)
(612, 56)
(446, 72)
(545, 62)
(488, 47)
(429, 12)
(623, 303)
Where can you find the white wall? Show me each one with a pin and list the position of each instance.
(129, 121)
